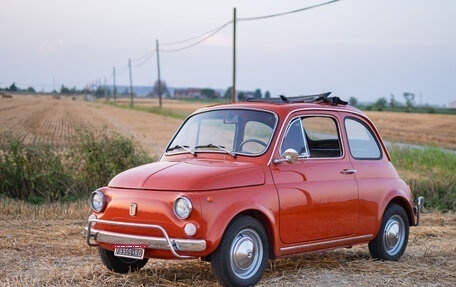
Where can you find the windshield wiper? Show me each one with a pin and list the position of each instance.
(232, 153)
(184, 147)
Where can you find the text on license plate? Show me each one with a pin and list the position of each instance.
(129, 251)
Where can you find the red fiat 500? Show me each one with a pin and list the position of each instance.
(243, 183)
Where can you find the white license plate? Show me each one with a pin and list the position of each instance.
(129, 252)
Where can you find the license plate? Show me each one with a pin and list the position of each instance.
(135, 252)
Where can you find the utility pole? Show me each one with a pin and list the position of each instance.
(131, 84)
(114, 92)
(105, 88)
(158, 72)
(233, 88)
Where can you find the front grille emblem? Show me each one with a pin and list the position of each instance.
(133, 209)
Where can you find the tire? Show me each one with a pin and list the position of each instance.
(242, 255)
(392, 237)
(120, 264)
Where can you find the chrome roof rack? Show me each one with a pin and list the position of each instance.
(319, 98)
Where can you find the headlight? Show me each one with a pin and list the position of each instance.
(98, 201)
(183, 207)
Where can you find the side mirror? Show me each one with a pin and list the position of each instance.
(290, 156)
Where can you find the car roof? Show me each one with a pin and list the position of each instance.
(284, 105)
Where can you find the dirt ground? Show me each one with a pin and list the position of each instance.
(45, 251)
(46, 246)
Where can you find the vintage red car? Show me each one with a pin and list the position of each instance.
(246, 182)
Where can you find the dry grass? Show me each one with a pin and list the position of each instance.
(45, 246)
(45, 251)
(422, 129)
(45, 119)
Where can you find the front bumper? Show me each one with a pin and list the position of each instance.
(417, 209)
(163, 243)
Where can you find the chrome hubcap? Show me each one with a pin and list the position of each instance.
(246, 253)
(393, 237)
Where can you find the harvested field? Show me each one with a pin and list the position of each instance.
(42, 250)
(421, 129)
(51, 120)
(44, 245)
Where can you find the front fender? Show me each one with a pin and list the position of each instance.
(221, 207)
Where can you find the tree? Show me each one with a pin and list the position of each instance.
(267, 95)
(13, 88)
(208, 93)
(257, 94)
(409, 100)
(353, 101)
(380, 104)
(31, 90)
(227, 94)
(241, 96)
(393, 102)
(163, 88)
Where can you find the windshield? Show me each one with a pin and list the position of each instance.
(234, 131)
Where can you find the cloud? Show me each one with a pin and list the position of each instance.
(52, 47)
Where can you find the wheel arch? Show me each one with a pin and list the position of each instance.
(401, 201)
(267, 225)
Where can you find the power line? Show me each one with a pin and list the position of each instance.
(286, 13)
(145, 59)
(206, 36)
(215, 30)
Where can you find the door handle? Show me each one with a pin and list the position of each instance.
(348, 171)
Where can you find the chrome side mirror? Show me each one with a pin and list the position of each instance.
(290, 156)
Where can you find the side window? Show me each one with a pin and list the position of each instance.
(363, 144)
(314, 137)
(295, 139)
(322, 137)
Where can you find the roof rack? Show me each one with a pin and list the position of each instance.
(319, 98)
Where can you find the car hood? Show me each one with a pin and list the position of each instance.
(190, 175)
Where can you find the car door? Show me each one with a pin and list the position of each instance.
(318, 194)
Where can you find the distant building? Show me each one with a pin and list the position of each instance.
(452, 105)
(187, 93)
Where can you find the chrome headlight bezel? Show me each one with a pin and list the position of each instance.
(183, 207)
(98, 201)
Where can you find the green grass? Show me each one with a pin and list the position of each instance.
(430, 172)
(155, 110)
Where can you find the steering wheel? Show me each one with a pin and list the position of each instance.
(252, 141)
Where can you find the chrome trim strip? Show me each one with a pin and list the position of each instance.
(162, 243)
(417, 209)
(330, 242)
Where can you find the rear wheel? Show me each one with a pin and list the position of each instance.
(120, 264)
(242, 256)
(392, 237)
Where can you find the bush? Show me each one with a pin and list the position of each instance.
(38, 173)
(97, 156)
(430, 172)
(32, 172)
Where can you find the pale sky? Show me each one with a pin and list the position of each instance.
(362, 48)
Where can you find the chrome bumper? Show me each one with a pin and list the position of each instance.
(162, 243)
(417, 209)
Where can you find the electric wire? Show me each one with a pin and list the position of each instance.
(286, 13)
(203, 37)
(200, 40)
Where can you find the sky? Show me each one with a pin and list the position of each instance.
(367, 49)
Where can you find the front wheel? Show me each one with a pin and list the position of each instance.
(242, 256)
(392, 237)
(120, 264)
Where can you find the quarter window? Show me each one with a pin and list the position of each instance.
(363, 144)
